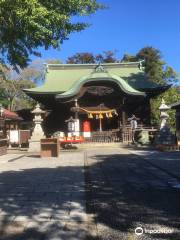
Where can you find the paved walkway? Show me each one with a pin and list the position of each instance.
(42, 198)
(168, 161)
(94, 194)
(126, 191)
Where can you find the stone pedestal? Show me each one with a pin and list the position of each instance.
(164, 137)
(34, 142)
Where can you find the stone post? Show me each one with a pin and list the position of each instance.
(37, 134)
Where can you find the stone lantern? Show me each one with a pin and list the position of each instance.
(37, 134)
(163, 114)
(164, 137)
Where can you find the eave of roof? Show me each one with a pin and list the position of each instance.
(63, 79)
(92, 65)
(11, 115)
(175, 105)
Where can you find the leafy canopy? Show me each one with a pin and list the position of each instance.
(159, 72)
(13, 83)
(12, 95)
(86, 57)
(26, 25)
(155, 67)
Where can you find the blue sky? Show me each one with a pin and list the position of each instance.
(127, 26)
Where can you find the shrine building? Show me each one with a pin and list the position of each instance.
(105, 95)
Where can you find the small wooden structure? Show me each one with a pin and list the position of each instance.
(10, 134)
(50, 147)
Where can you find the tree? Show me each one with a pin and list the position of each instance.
(11, 90)
(81, 58)
(26, 25)
(153, 64)
(3, 100)
(106, 57)
(86, 57)
(159, 72)
(155, 67)
(170, 96)
(35, 72)
(13, 83)
(169, 75)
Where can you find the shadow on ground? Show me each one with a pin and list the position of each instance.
(42, 203)
(126, 192)
(122, 191)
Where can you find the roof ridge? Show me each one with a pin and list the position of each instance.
(91, 64)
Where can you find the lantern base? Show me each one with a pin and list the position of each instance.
(34, 146)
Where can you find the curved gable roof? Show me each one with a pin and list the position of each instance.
(100, 77)
(65, 78)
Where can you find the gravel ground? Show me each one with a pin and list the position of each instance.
(90, 194)
(124, 192)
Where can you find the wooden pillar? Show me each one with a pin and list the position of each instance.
(123, 115)
(123, 119)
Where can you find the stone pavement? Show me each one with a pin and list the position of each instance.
(168, 161)
(42, 198)
(94, 194)
(125, 191)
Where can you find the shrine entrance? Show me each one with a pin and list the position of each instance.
(101, 103)
(100, 117)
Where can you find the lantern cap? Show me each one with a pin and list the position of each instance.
(163, 105)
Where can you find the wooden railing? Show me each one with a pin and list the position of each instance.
(125, 135)
(104, 137)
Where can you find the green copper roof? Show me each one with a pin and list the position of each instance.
(67, 79)
(124, 86)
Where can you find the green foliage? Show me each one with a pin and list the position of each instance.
(81, 58)
(13, 83)
(3, 100)
(169, 75)
(153, 64)
(155, 67)
(172, 95)
(159, 72)
(106, 57)
(11, 90)
(26, 25)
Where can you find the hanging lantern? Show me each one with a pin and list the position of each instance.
(110, 115)
(100, 116)
(97, 116)
(90, 115)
